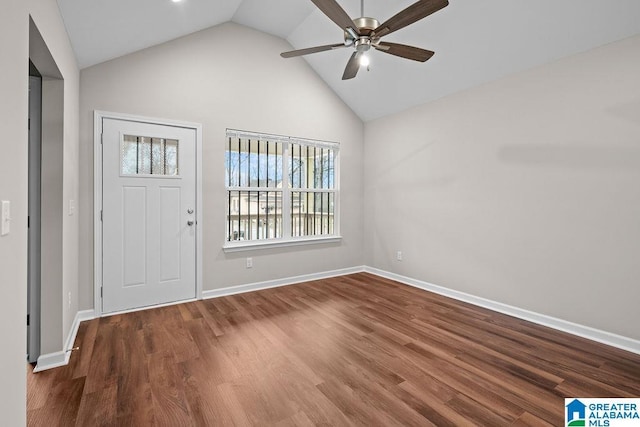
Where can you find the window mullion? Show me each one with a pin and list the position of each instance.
(286, 192)
(336, 192)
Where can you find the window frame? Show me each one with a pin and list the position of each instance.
(287, 190)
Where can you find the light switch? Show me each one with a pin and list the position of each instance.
(72, 207)
(6, 217)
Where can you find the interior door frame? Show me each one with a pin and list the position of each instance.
(98, 117)
(34, 281)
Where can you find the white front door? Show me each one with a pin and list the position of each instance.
(148, 214)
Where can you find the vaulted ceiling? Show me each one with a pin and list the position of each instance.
(475, 41)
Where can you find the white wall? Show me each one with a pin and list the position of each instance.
(524, 191)
(52, 223)
(14, 48)
(228, 76)
(57, 313)
(14, 45)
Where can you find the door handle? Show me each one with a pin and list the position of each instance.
(189, 223)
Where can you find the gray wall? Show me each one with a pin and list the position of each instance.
(524, 191)
(52, 333)
(14, 45)
(50, 50)
(228, 76)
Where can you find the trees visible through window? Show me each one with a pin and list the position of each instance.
(279, 188)
(141, 155)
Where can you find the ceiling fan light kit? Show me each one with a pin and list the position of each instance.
(364, 33)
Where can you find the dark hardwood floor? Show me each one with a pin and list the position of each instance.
(352, 350)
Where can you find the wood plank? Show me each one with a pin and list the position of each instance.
(350, 350)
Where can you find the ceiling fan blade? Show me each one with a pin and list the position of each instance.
(408, 16)
(336, 13)
(300, 52)
(404, 51)
(353, 66)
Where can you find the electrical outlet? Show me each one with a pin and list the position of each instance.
(249, 262)
(399, 255)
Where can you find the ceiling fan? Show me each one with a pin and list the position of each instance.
(364, 33)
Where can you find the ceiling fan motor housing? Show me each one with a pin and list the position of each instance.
(365, 27)
(365, 23)
(363, 44)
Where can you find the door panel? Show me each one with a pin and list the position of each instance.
(134, 242)
(149, 200)
(170, 241)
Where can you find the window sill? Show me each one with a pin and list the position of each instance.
(255, 245)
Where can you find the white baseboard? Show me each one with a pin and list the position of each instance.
(587, 332)
(51, 360)
(240, 289)
(61, 358)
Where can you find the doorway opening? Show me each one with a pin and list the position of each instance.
(34, 214)
(45, 309)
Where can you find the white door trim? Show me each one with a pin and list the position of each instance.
(98, 117)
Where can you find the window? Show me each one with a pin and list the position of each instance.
(279, 189)
(141, 155)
